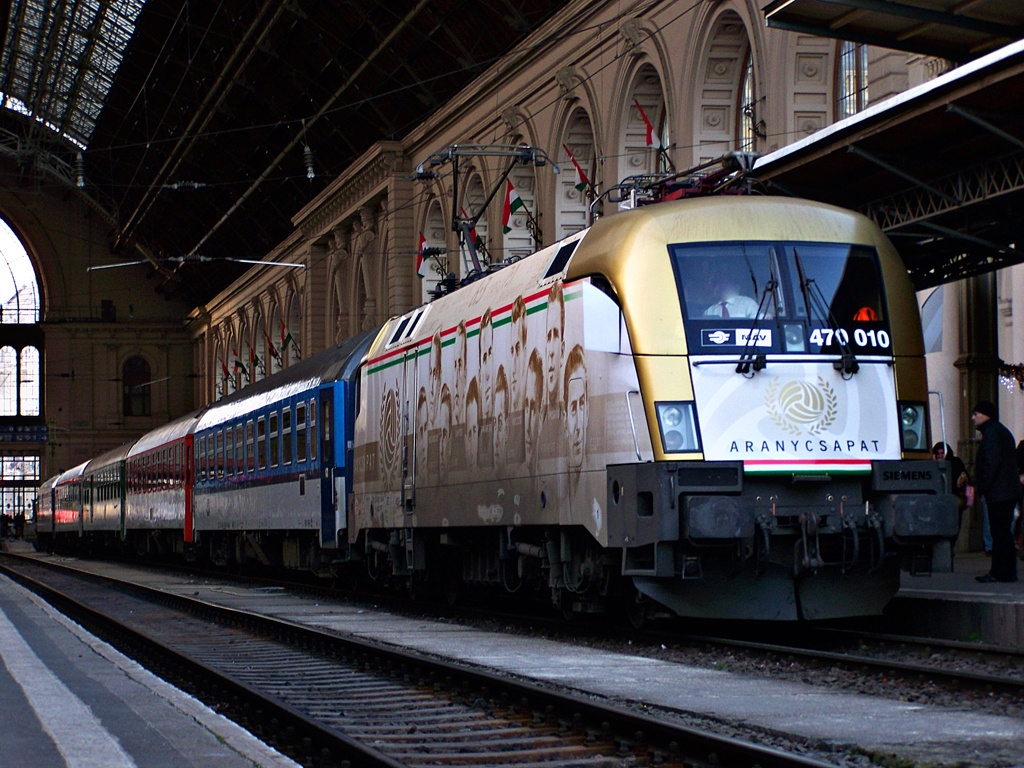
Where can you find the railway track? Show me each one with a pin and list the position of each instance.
(324, 699)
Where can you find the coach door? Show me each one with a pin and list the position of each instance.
(410, 434)
(332, 498)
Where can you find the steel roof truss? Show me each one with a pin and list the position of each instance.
(999, 176)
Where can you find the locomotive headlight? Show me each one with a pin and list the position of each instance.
(910, 415)
(678, 424)
(913, 429)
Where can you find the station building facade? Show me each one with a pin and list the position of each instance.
(605, 90)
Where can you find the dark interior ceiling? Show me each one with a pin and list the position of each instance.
(193, 118)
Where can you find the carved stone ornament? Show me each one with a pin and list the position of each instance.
(566, 78)
(809, 69)
(339, 239)
(512, 117)
(632, 32)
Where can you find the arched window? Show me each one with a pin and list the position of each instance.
(851, 79)
(434, 238)
(28, 383)
(578, 159)
(9, 382)
(136, 378)
(645, 134)
(746, 124)
(19, 291)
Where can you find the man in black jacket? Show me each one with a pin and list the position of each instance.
(996, 473)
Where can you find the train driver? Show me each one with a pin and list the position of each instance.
(727, 301)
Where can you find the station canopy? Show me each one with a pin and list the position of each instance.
(201, 128)
(939, 167)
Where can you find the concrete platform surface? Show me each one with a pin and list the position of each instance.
(70, 700)
(954, 606)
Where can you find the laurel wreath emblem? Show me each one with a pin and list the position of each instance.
(800, 406)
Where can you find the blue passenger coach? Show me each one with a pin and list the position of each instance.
(271, 474)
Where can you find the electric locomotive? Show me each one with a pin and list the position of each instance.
(719, 402)
(715, 406)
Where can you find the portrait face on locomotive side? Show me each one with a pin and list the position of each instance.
(527, 416)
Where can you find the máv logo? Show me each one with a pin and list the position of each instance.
(716, 337)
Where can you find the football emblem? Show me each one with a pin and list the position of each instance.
(801, 406)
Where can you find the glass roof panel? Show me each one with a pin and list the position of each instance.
(59, 60)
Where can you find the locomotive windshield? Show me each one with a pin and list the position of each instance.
(786, 297)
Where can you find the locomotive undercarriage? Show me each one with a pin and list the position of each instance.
(562, 564)
(704, 540)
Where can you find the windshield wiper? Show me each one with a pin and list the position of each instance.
(815, 300)
(749, 361)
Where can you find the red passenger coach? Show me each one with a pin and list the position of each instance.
(159, 485)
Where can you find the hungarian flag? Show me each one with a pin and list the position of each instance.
(224, 368)
(583, 182)
(477, 242)
(285, 337)
(270, 343)
(421, 263)
(238, 363)
(652, 138)
(513, 202)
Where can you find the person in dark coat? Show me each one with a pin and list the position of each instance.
(959, 479)
(998, 481)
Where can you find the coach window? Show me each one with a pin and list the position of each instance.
(286, 436)
(211, 457)
(300, 432)
(220, 454)
(250, 448)
(239, 450)
(261, 441)
(312, 430)
(229, 451)
(202, 459)
(274, 458)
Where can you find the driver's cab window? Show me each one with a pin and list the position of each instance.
(728, 280)
(845, 279)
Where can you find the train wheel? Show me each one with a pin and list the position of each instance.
(638, 608)
(565, 605)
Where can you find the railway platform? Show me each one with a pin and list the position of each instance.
(954, 606)
(71, 700)
(144, 722)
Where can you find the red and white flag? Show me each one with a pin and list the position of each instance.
(513, 202)
(582, 181)
(421, 263)
(652, 138)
